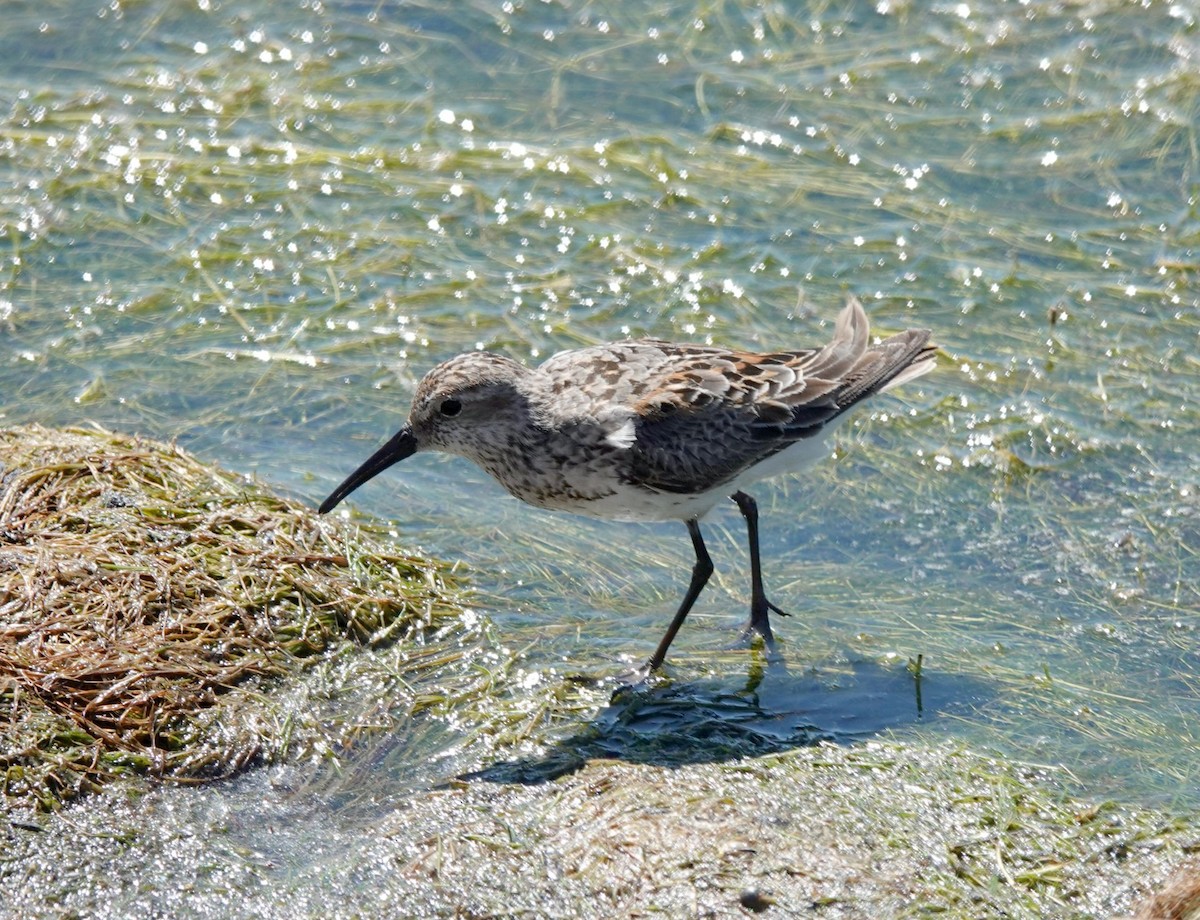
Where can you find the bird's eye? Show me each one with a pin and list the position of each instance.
(450, 407)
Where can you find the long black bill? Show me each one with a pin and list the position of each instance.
(402, 445)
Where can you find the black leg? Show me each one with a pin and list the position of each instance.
(700, 575)
(760, 621)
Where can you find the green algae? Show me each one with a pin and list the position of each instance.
(141, 591)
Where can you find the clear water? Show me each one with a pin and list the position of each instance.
(252, 227)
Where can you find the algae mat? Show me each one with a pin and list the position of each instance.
(876, 830)
(139, 586)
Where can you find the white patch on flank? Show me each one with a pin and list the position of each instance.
(624, 436)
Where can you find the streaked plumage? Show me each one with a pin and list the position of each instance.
(650, 431)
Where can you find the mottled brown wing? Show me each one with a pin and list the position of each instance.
(697, 450)
(702, 415)
(715, 413)
(719, 413)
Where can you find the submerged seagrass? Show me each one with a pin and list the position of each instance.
(138, 586)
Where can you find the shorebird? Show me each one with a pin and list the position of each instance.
(651, 431)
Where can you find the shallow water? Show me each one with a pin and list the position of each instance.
(253, 227)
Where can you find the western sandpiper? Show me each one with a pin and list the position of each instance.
(651, 431)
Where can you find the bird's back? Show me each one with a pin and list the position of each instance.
(691, 419)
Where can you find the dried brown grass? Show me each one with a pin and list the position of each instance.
(138, 585)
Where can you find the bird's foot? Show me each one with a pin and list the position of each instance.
(759, 623)
(634, 681)
(584, 680)
(761, 629)
(772, 608)
(634, 676)
(630, 681)
(627, 678)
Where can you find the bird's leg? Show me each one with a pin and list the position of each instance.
(700, 575)
(760, 621)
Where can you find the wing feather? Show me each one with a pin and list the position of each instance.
(702, 415)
